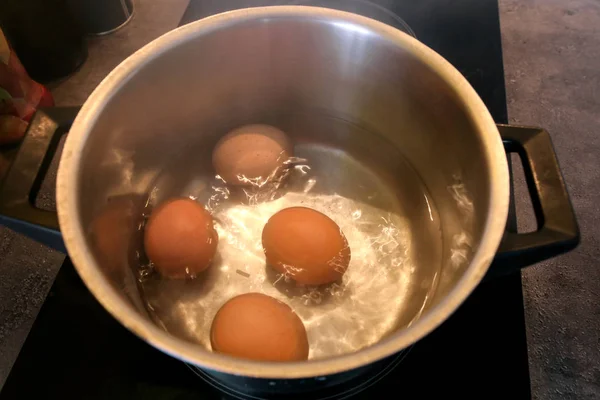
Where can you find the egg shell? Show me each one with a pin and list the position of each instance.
(306, 245)
(180, 238)
(258, 327)
(252, 152)
(114, 235)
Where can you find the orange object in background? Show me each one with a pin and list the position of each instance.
(20, 96)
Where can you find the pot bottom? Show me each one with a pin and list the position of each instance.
(375, 197)
(334, 387)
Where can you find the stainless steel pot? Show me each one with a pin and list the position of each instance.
(191, 85)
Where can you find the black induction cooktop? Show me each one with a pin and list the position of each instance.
(77, 350)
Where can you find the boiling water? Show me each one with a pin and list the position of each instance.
(379, 203)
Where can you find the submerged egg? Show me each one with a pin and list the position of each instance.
(259, 327)
(250, 154)
(180, 238)
(113, 234)
(306, 245)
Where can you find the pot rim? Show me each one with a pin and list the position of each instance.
(74, 236)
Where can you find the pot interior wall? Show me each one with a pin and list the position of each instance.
(292, 72)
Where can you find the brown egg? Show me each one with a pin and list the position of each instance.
(259, 327)
(250, 154)
(306, 245)
(180, 238)
(114, 234)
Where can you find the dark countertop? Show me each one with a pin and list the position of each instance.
(552, 64)
(552, 70)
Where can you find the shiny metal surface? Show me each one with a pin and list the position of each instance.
(195, 83)
(362, 7)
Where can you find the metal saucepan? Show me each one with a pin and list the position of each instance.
(391, 132)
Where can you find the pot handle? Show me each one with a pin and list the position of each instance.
(557, 231)
(26, 174)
